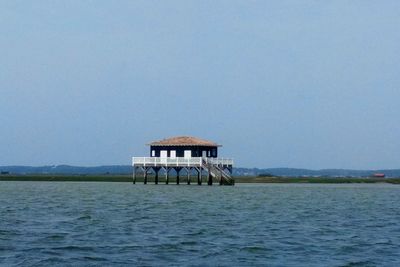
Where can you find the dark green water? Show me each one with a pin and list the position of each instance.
(116, 224)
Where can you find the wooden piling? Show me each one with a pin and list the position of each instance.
(156, 176)
(134, 175)
(210, 181)
(199, 176)
(177, 175)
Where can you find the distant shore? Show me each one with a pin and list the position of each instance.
(240, 179)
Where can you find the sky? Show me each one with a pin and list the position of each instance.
(305, 84)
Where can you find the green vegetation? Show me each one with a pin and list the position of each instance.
(68, 178)
(324, 180)
(240, 179)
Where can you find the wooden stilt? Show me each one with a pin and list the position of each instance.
(145, 176)
(177, 174)
(188, 176)
(156, 176)
(199, 176)
(210, 181)
(134, 175)
(166, 175)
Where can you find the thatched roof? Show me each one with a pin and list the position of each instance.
(183, 141)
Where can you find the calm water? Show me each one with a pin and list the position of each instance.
(103, 224)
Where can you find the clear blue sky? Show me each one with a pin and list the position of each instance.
(310, 84)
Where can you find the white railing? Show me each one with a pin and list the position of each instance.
(179, 161)
(219, 161)
(154, 161)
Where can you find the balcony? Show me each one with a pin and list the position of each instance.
(180, 162)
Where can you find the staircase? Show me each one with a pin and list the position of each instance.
(219, 173)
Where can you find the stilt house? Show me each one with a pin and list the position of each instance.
(185, 153)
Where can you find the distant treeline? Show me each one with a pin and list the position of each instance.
(239, 179)
(126, 169)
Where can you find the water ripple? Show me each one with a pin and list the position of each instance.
(118, 224)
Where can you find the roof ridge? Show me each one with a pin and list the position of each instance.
(183, 140)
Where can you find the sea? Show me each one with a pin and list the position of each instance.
(121, 224)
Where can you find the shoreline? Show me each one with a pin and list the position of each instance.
(240, 179)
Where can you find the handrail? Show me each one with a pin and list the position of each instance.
(179, 161)
(219, 161)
